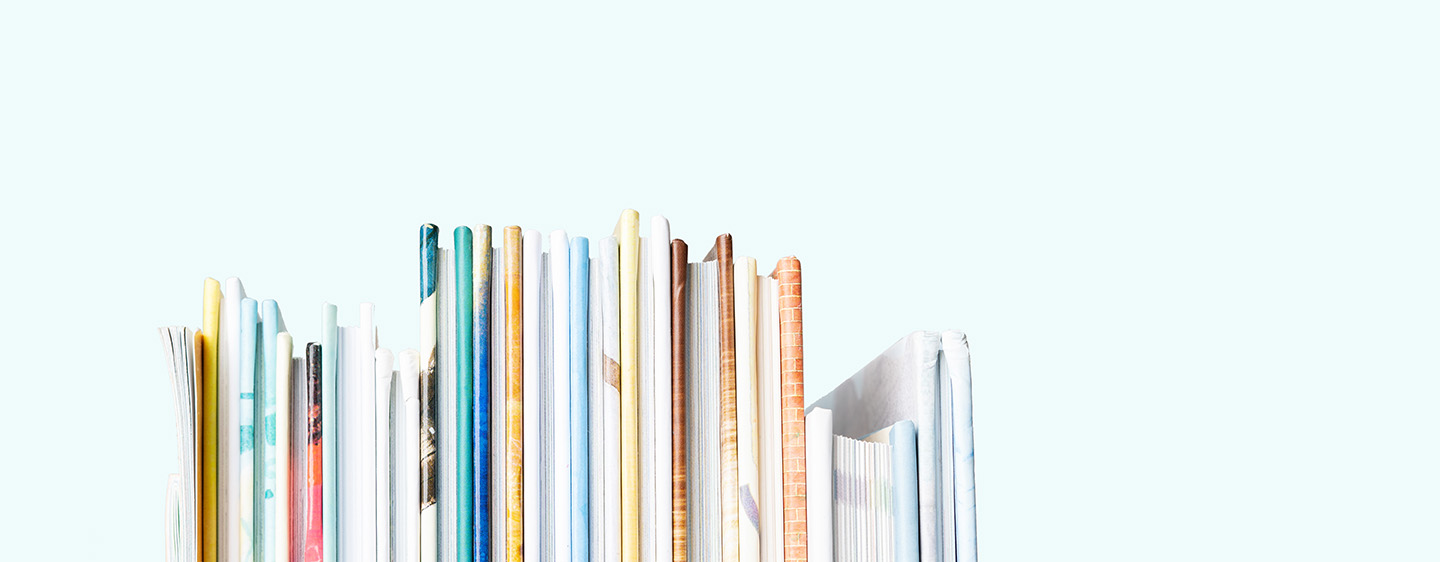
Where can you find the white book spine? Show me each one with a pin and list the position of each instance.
(280, 530)
(772, 529)
(747, 430)
(445, 454)
(610, 292)
(820, 507)
(956, 364)
(560, 391)
(648, 530)
(384, 370)
(659, 262)
(531, 357)
(410, 484)
(228, 416)
(497, 406)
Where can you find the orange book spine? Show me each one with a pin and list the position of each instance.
(729, 420)
(792, 409)
(679, 256)
(514, 398)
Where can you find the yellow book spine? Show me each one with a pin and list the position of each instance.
(514, 399)
(209, 425)
(627, 233)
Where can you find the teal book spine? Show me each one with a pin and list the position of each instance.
(480, 397)
(329, 440)
(267, 528)
(464, 393)
(249, 317)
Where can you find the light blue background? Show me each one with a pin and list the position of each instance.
(1193, 243)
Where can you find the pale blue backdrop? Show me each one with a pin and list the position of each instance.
(1193, 243)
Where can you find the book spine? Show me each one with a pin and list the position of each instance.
(610, 389)
(820, 474)
(209, 420)
(514, 397)
(560, 505)
(464, 391)
(792, 408)
(384, 372)
(429, 393)
(679, 260)
(579, 399)
(266, 526)
(330, 406)
(530, 443)
(313, 519)
(480, 398)
(627, 236)
(746, 411)
(729, 423)
(661, 489)
(249, 319)
(499, 454)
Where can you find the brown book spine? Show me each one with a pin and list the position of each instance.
(792, 409)
(679, 256)
(723, 254)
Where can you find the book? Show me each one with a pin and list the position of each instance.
(819, 475)
(356, 370)
(723, 256)
(747, 433)
(314, 518)
(409, 489)
(499, 449)
(514, 395)
(330, 428)
(772, 534)
(703, 413)
(627, 236)
(278, 437)
(481, 292)
(903, 505)
(464, 393)
(679, 510)
(955, 373)
(228, 424)
(579, 399)
(530, 428)
(656, 397)
(384, 379)
(558, 505)
(645, 416)
(266, 473)
(180, 348)
(208, 420)
(902, 383)
(792, 407)
(445, 352)
(249, 351)
(605, 483)
(429, 393)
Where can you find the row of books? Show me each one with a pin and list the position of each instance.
(569, 401)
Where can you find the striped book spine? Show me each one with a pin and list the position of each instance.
(627, 233)
(723, 254)
(514, 398)
(429, 393)
(480, 398)
(679, 262)
(792, 408)
(464, 391)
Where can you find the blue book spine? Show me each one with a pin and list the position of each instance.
(579, 403)
(464, 390)
(904, 475)
(481, 395)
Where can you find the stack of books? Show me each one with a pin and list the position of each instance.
(619, 399)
